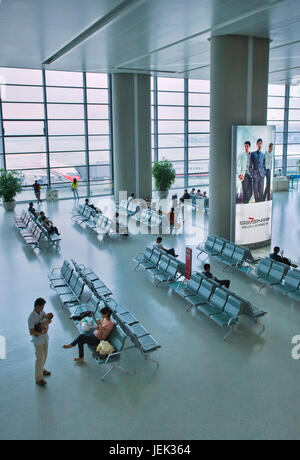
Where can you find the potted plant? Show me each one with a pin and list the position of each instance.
(164, 176)
(10, 186)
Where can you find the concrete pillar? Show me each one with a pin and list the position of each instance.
(239, 96)
(131, 107)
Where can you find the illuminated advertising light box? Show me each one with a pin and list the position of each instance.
(253, 153)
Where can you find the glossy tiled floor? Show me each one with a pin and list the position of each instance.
(204, 388)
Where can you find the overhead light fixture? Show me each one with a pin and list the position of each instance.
(112, 15)
(130, 69)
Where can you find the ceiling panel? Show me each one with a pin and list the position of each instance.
(169, 37)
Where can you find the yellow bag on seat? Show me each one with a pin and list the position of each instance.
(105, 348)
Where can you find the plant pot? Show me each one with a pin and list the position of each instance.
(163, 195)
(9, 205)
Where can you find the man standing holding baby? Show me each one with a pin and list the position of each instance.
(38, 323)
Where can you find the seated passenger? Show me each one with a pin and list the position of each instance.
(101, 332)
(49, 226)
(209, 275)
(185, 196)
(279, 258)
(40, 217)
(87, 203)
(158, 245)
(32, 210)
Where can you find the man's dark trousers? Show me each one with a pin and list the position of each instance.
(247, 188)
(267, 194)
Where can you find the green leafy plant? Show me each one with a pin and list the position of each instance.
(10, 185)
(164, 175)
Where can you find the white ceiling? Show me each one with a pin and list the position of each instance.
(167, 37)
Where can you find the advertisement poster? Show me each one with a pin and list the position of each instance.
(253, 171)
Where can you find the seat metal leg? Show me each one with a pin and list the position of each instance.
(263, 327)
(147, 358)
(108, 372)
(122, 369)
(262, 287)
(233, 328)
(228, 333)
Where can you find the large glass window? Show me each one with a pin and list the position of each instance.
(62, 125)
(100, 171)
(23, 114)
(198, 132)
(276, 105)
(181, 119)
(170, 124)
(293, 150)
(66, 126)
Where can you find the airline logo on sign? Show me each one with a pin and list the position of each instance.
(253, 222)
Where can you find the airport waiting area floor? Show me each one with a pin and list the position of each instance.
(204, 388)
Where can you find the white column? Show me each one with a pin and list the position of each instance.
(239, 96)
(131, 106)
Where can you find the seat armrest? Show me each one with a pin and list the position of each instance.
(234, 319)
(113, 356)
(54, 269)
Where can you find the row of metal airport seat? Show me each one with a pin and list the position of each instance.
(127, 326)
(67, 284)
(33, 233)
(200, 291)
(232, 255)
(151, 218)
(53, 240)
(93, 282)
(201, 202)
(92, 219)
(143, 341)
(144, 215)
(221, 305)
(128, 208)
(65, 277)
(270, 272)
(279, 276)
(162, 266)
(117, 337)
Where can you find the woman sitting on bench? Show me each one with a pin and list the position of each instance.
(101, 332)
